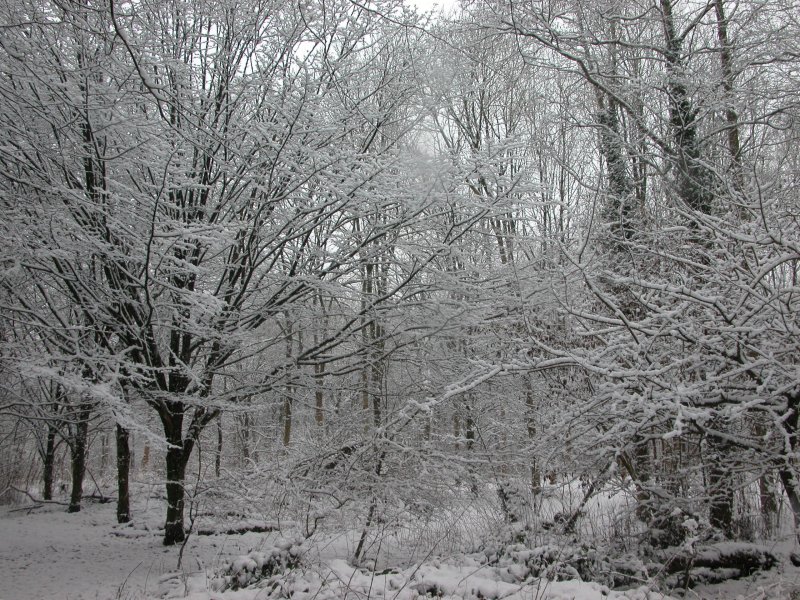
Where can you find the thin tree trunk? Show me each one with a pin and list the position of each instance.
(103, 453)
(218, 457)
(536, 478)
(244, 435)
(49, 462)
(123, 474)
(289, 397)
(377, 388)
(319, 394)
(470, 427)
(287, 416)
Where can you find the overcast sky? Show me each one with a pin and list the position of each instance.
(429, 4)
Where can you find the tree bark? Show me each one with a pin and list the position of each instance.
(218, 457)
(720, 485)
(731, 116)
(289, 394)
(720, 513)
(174, 532)
(123, 474)
(693, 177)
(49, 462)
(790, 484)
(287, 416)
(769, 507)
(530, 406)
(78, 458)
(319, 393)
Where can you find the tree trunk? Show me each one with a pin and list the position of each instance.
(769, 507)
(103, 453)
(218, 457)
(289, 397)
(470, 426)
(49, 462)
(145, 456)
(178, 452)
(693, 178)
(287, 416)
(176, 458)
(790, 484)
(319, 394)
(78, 459)
(123, 473)
(176, 467)
(530, 406)
(244, 436)
(731, 116)
(720, 484)
(720, 514)
(377, 387)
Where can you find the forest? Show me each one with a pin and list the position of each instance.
(516, 280)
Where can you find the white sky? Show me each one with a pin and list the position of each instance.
(426, 5)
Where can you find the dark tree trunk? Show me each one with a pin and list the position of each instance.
(218, 457)
(720, 484)
(319, 394)
(179, 449)
(174, 532)
(244, 436)
(720, 514)
(49, 462)
(470, 427)
(172, 416)
(619, 210)
(78, 459)
(123, 472)
(693, 179)
(377, 397)
(287, 416)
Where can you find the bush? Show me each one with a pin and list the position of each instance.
(247, 570)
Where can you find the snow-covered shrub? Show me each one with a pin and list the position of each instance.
(560, 558)
(555, 561)
(243, 571)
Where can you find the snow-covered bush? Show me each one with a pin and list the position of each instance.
(243, 571)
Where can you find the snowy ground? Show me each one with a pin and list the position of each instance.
(46, 553)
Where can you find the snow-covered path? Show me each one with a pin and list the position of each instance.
(49, 554)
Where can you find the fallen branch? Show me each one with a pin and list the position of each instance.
(33, 498)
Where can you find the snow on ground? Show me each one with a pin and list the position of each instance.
(46, 553)
(49, 554)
